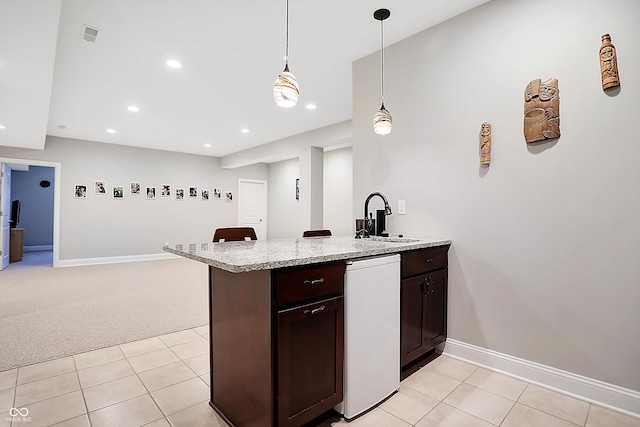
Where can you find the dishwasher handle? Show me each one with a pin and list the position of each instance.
(319, 281)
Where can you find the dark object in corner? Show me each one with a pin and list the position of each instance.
(44, 183)
(15, 213)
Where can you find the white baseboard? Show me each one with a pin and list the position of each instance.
(38, 248)
(115, 259)
(584, 388)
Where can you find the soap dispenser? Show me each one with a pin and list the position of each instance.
(381, 223)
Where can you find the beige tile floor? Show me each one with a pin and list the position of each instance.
(163, 381)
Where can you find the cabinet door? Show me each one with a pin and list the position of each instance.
(310, 360)
(412, 318)
(436, 326)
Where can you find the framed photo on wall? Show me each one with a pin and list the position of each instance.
(228, 197)
(151, 193)
(135, 188)
(205, 194)
(99, 187)
(80, 192)
(165, 190)
(179, 193)
(193, 192)
(118, 192)
(217, 193)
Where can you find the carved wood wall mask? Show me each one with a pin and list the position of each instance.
(541, 110)
(485, 143)
(608, 63)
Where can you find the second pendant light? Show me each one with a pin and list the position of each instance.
(382, 122)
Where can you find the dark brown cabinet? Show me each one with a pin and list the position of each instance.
(16, 244)
(277, 344)
(423, 302)
(310, 349)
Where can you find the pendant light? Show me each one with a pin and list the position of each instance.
(382, 122)
(286, 89)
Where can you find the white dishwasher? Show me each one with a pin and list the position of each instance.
(371, 333)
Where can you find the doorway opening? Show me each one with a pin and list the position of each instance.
(33, 188)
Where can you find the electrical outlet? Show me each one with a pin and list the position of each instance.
(402, 207)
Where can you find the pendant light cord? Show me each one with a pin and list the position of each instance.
(286, 55)
(382, 59)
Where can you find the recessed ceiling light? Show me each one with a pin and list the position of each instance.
(111, 130)
(245, 130)
(174, 63)
(207, 145)
(133, 108)
(3, 127)
(311, 106)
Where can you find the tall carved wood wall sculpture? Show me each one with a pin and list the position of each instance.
(485, 143)
(608, 64)
(541, 110)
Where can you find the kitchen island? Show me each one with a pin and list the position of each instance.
(276, 322)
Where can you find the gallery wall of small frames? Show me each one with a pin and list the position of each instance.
(137, 190)
(542, 103)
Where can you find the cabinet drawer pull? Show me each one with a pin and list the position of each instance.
(315, 310)
(427, 260)
(319, 281)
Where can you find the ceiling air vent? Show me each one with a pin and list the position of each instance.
(89, 34)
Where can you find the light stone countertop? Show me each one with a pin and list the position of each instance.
(239, 257)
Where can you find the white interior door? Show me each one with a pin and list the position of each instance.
(5, 208)
(252, 205)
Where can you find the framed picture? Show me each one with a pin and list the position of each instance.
(80, 192)
(298, 189)
(99, 187)
(135, 188)
(118, 192)
(193, 192)
(217, 193)
(228, 197)
(151, 193)
(205, 194)
(179, 193)
(165, 191)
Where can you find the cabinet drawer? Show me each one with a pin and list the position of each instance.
(423, 260)
(309, 282)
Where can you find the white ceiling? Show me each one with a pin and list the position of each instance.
(231, 51)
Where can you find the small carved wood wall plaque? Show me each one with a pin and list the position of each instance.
(608, 64)
(485, 143)
(541, 110)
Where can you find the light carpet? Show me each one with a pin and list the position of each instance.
(47, 313)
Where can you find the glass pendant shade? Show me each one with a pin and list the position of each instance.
(286, 89)
(382, 122)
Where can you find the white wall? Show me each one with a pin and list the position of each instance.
(36, 204)
(338, 192)
(287, 216)
(544, 262)
(100, 226)
(284, 211)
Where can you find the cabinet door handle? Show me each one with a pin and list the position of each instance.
(428, 286)
(319, 281)
(427, 260)
(315, 310)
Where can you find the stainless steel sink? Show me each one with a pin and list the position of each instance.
(394, 239)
